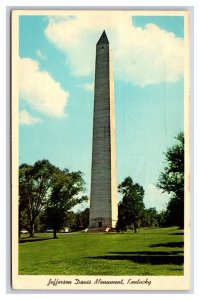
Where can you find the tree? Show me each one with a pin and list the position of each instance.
(23, 219)
(64, 195)
(34, 184)
(162, 219)
(25, 193)
(132, 206)
(71, 220)
(171, 180)
(150, 217)
(122, 223)
(83, 218)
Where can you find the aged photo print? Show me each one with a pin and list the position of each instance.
(100, 149)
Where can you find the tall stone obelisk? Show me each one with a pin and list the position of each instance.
(103, 197)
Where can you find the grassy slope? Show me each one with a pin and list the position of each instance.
(149, 252)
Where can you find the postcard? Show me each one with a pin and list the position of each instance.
(100, 149)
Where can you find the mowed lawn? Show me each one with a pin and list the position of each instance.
(149, 252)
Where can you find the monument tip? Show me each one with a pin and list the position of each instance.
(103, 39)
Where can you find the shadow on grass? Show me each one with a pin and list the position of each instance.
(170, 244)
(150, 252)
(146, 257)
(26, 240)
(177, 233)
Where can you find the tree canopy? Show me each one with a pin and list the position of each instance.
(131, 208)
(44, 188)
(171, 180)
(34, 184)
(64, 195)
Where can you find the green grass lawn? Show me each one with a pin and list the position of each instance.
(149, 252)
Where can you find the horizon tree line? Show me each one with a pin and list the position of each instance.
(47, 195)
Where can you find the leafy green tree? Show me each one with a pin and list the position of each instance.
(162, 219)
(122, 222)
(171, 180)
(65, 194)
(131, 208)
(26, 195)
(34, 184)
(150, 217)
(71, 220)
(83, 218)
(23, 218)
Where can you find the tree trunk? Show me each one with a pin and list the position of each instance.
(32, 230)
(135, 228)
(54, 234)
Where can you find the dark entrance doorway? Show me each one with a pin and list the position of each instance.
(100, 224)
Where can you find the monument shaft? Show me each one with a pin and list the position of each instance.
(103, 198)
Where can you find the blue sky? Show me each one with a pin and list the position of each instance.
(57, 56)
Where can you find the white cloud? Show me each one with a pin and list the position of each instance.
(142, 56)
(26, 119)
(41, 54)
(40, 90)
(87, 86)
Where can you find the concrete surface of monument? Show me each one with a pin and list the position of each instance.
(103, 197)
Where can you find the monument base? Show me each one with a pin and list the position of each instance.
(102, 223)
(100, 230)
